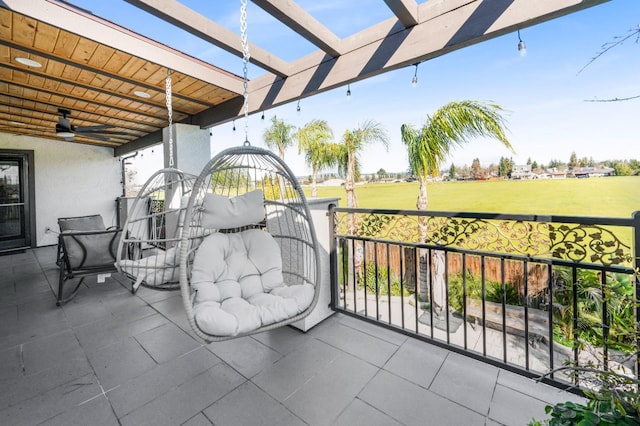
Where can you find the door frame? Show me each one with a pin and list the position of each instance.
(28, 158)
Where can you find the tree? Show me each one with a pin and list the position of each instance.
(617, 41)
(505, 167)
(583, 162)
(314, 140)
(353, 141)
(556, 164)
(476, 169)
(573, 161)
(279, 136)
(534, 165)
(452, 171)
(381, 173)
(454, 124)
(622, 169)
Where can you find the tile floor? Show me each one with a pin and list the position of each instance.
(112, 358)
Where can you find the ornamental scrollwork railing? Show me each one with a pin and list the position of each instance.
(592, 243)
(574, 242)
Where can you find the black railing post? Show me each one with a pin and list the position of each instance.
(333, 258)
(636, 267)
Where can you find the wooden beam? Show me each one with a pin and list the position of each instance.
(69, 96)
(75, 84)
(300, 21)
(138, 144)
(405, 10)
(78, 22)
(51, 111)
(182, 17)
(444, 26)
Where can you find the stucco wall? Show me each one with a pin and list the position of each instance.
(192, 148)
(70, 180)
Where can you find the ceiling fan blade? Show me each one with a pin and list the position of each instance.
(102, 132)
(94, 128)
(93, 136)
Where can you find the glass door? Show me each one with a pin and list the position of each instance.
(14, 218)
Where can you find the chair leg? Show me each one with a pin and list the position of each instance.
(63, 278)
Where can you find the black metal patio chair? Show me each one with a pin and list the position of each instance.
(85, 248)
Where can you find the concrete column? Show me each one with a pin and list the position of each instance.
(191, 147)
(319, 208)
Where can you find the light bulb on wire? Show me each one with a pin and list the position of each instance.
(414, 80)
(522, 48)
(348, 91)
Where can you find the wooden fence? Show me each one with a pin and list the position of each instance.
(398, 259)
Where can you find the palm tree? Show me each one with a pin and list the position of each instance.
(452, 125)
(279, 136)
(313, 140)
(353, 141)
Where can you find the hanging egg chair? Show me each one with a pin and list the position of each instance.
(258, 268)
(148, 248)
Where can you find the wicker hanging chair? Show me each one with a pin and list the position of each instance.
(258, 267)
(148, 248)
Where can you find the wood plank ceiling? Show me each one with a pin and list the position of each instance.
(92, 67)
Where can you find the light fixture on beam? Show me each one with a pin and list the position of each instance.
(142, 94)
(29, 62)
(522, 48)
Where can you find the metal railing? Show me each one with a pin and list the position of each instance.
(526, 292)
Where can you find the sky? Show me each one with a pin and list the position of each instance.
(547, 94)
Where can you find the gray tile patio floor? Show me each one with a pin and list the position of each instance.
(112, 358)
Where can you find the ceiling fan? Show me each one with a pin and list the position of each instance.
(68, 131)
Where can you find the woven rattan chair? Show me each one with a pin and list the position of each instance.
(147, 250)
(258, 267)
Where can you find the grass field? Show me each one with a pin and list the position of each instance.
(599, 197)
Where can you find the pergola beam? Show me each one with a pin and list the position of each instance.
(405, 10)
(300, 21)
(182, 17)
(444, 27)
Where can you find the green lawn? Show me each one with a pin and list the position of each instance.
(601, 197)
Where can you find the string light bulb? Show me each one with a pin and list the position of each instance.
(348, 91)
(234, 125)
(298, 106)
(522, 48)
(262, 118)
(414, 80)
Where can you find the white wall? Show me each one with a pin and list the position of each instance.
(192, 148)
(70, 180)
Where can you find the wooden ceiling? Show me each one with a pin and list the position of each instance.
(95, 82)
(92, 67)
